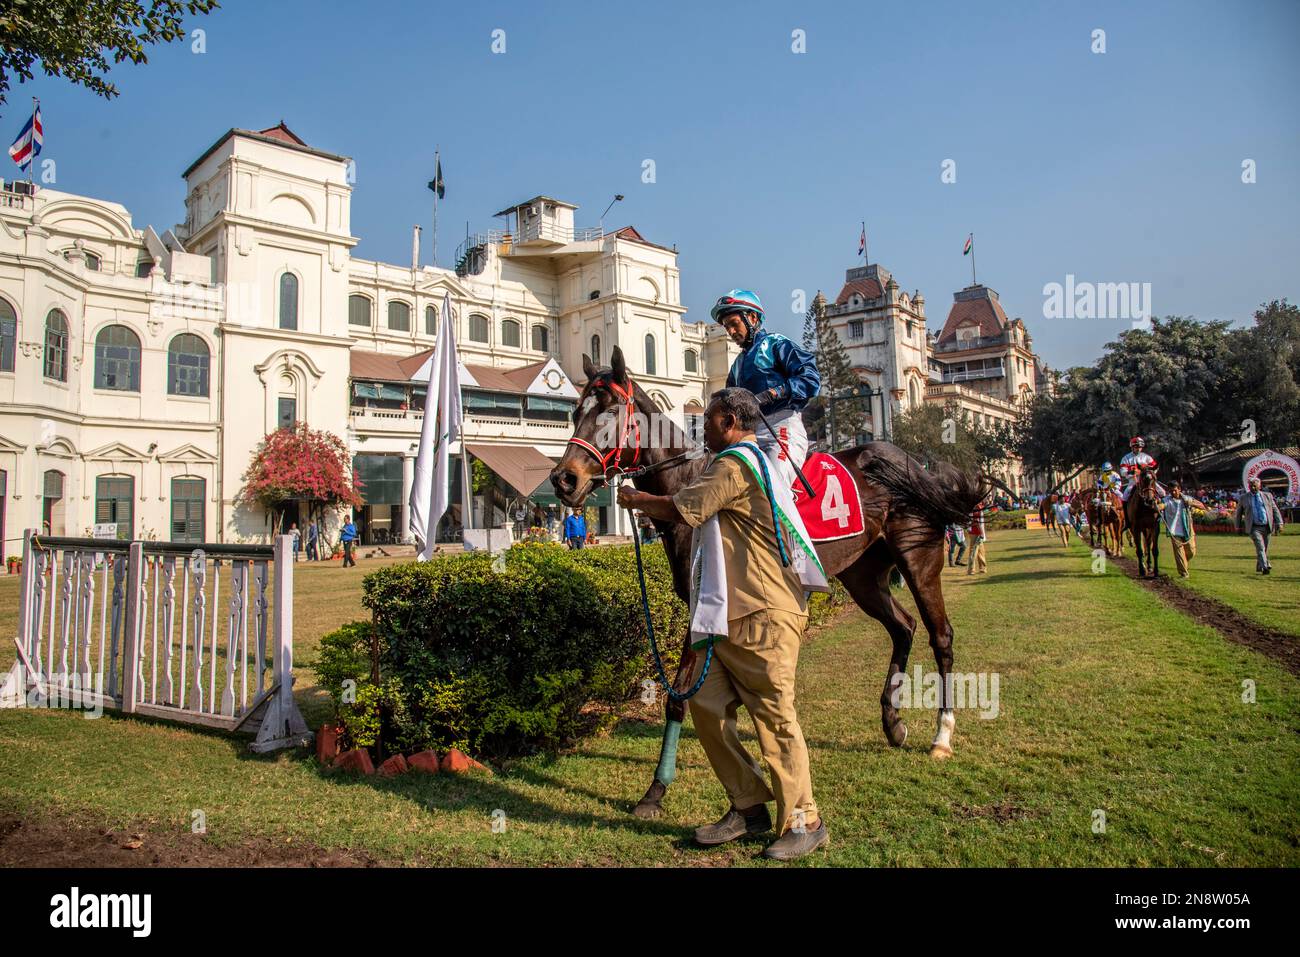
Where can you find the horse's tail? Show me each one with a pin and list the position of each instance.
(942, 495)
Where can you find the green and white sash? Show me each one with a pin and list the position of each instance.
(709, 619)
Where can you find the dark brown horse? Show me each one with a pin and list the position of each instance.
(1142, 515)
(904, 507)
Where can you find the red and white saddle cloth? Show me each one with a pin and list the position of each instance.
(834, 511)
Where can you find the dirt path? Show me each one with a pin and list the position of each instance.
(50, 842)
(1224, 619)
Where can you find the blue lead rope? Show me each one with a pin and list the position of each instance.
(650, 630)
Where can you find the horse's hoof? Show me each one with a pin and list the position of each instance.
(940, 752)
(648, 810)
(896, 734)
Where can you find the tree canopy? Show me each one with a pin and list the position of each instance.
(300, 464)
(1187, 387)
(81, 39)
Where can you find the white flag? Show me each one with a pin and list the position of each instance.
(431, 488)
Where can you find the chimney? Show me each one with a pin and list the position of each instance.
(415, 249)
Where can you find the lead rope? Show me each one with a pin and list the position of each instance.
(650, 630)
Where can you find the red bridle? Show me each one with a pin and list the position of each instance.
(631, 429)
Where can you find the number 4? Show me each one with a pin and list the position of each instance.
(834, 505)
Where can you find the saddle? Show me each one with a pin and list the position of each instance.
(834, 511)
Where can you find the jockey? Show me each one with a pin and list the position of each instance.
(1130, 463)
(1109, 479)
(782, 376)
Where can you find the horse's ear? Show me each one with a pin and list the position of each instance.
(588, 367)
(619, 366)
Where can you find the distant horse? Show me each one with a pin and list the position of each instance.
(1142, 515)
(1047, 512)
(904, 507)
(1105, 511)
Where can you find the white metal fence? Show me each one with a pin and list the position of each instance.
(175, 631)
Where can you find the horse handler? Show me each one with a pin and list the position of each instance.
(764, 612)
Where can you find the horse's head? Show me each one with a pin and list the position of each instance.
(605, 431)
(1146, 487)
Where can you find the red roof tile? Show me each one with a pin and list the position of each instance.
(866, 288)
(977, 304)
(282, 133)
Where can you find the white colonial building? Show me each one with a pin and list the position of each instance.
(139, 372)
(981, 362)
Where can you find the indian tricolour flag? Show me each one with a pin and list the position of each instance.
(970, 244)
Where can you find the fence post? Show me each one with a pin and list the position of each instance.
(282, 725)
(13, 687)
(131, 640)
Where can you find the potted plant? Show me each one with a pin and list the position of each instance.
(15, 564)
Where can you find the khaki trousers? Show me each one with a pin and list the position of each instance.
(1184, 552)
(977, 557)
(755, 667)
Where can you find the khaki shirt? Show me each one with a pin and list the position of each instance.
(756, 580)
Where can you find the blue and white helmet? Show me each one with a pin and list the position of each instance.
(1107, 467)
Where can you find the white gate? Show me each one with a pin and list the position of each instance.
(140, 627)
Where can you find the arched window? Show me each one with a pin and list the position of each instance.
(509, 333)
(649, 354)
(288, 301)
(478, 328)
(187, 366)
(595, 349)
(430, 321)
(541, 339)
(115, 499)
(56, 346)
(117, 359)
(358, 310)
(8, 335)
(399, 316)
(692, 361)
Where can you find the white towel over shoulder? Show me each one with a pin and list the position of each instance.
(709, 570)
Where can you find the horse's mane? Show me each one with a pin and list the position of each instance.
(942, 495)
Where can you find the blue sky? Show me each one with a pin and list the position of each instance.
(1115, 167)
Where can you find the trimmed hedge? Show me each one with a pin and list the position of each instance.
(499, 657)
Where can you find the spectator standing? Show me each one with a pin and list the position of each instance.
(313, 541)
(1064, 519)
(348, 538)
(575, 529)
(957, 541)
(977, 537)
(297, 538)
(1258, 517)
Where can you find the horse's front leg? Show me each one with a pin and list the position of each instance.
(651, 803)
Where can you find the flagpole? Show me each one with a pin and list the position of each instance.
(972, 260)
(435, 207)
(36, 105)
(866, 258)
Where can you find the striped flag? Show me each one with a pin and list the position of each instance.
(28, 145)
(970, 244)
(431, 487)
(862, 240)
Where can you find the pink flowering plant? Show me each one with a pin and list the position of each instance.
(300, 464)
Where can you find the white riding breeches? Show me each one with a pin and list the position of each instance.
(789, 426)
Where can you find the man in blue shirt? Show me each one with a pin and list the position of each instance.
(782, 376)
(1258, 516)
(348, 537)
(575, 529)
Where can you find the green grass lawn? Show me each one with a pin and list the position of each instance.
(1224, 568)
(1108, 701)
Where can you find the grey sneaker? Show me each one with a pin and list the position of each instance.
(734, 825)
(792, 844)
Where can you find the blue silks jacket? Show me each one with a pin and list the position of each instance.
(774, 362)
